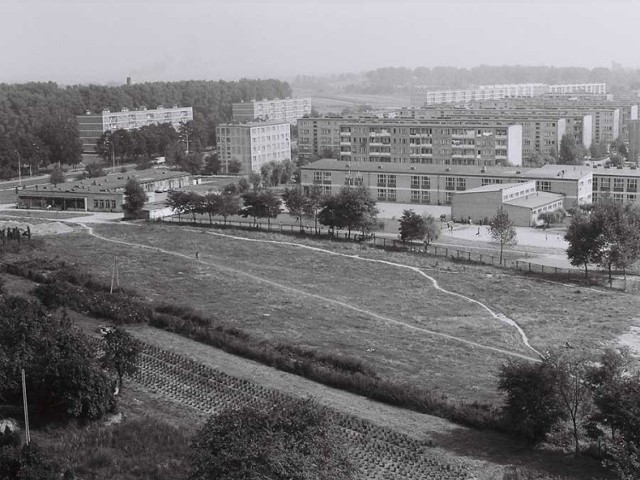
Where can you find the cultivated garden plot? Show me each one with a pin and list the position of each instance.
(377, 452)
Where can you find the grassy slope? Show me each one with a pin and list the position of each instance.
(457, 370)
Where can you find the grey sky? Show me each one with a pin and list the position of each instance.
(99, 41)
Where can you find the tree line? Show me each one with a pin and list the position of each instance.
(38, 125)
(352, 208)
(606, 234)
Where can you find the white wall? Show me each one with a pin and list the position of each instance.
(514, 144)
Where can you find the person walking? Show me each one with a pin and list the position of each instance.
(197, 254)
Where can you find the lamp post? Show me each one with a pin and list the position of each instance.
(19, 169)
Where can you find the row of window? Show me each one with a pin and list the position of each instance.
(104, 204)
(604, 184)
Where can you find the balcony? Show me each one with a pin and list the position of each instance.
(345, 134)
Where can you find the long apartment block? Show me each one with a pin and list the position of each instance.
(279, 109)
(431, 142)
(436, 184)
(253, 144)
(424, 96)
(93, 125)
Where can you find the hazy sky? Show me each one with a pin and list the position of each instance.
(99, 41)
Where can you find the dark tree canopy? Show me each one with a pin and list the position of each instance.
(62, 372)
(502, 230)
(134, 198)
(291, 439)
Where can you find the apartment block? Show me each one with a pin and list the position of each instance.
(253, 144)
(93, 126)
(423, 96)
(279, 109)
(432, 184)
(634, 141)
(576, 88)
(319, 137)
(431, 142)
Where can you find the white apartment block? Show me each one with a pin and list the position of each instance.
(93, 126)
(253, 144)
(592, 88)
(423, 96)
(280, 110)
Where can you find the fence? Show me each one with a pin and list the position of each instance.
(450, 253)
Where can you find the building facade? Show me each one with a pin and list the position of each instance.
(431, 142)
(253, 144)
(101, 194)
(319, 137)
(437, 184)
(277, 110)
(619, 184)
(93, 126)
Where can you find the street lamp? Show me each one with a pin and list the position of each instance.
(19, 169)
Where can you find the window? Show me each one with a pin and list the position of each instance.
(632, 185)
(448, 196)
(618, 184)
(95, 204)
(415, 196)
(461, 184)
(605, 184)
(490, 181)
(543, 185)
(101, 203)
(425, 197)
(449, 183)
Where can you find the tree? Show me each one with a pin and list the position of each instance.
(290, 439)
(234, 167)
(412, 226)
(57, 176)
(178, 201)
(351, 208)
(585, 242)
(619, 147)
(296, 202)
(568, 150)
(502, 230)
(63, 376)
(210, 204)
(433, 230)
(93, 170)
(27, 462)
(255, 180)
(573, 390)
(229, 205)
(134, 198)
(532, 406)
(213, 164)
(121, 353)
(315, 200)
(263, 204)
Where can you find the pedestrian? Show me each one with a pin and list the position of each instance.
(546, 237)
(478, 232)
(197, 255)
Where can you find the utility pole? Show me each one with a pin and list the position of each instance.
(19, 169)
(27, 436)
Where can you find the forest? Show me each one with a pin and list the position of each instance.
(38, 125)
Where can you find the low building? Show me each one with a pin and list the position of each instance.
(253, 144)
(100, 194)
(93, 125)
(437, 184)
(619, 184)
(520, 201)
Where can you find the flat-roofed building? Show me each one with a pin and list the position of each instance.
(253, 144)
(426, 96)
(92, 126)
(574, 88)
(319, 137)
(277, 110)
(436, 184)
(431, 142)
(100, 194)
(634, 141)
(520, 200)
(619, 184)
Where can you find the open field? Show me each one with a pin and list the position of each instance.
(349, 306)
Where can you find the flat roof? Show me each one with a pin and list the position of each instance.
(494, 187)
(534, 200)
(255, 124)
(110, 182)
(617, 172)
(558, 172)
(417, 168)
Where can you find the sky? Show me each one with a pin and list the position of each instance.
(100, 41)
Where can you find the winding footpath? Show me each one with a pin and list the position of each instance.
(498, 316)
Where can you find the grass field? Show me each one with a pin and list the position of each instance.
(265, 288)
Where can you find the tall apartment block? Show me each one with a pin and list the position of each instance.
(280, 110)
(589, 88)
(423, 142)
(634, 141)
(319, 137)
(93, 126)
(253, 144)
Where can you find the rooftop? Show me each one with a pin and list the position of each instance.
(495, 187)
(571, 172)
(534, 200)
